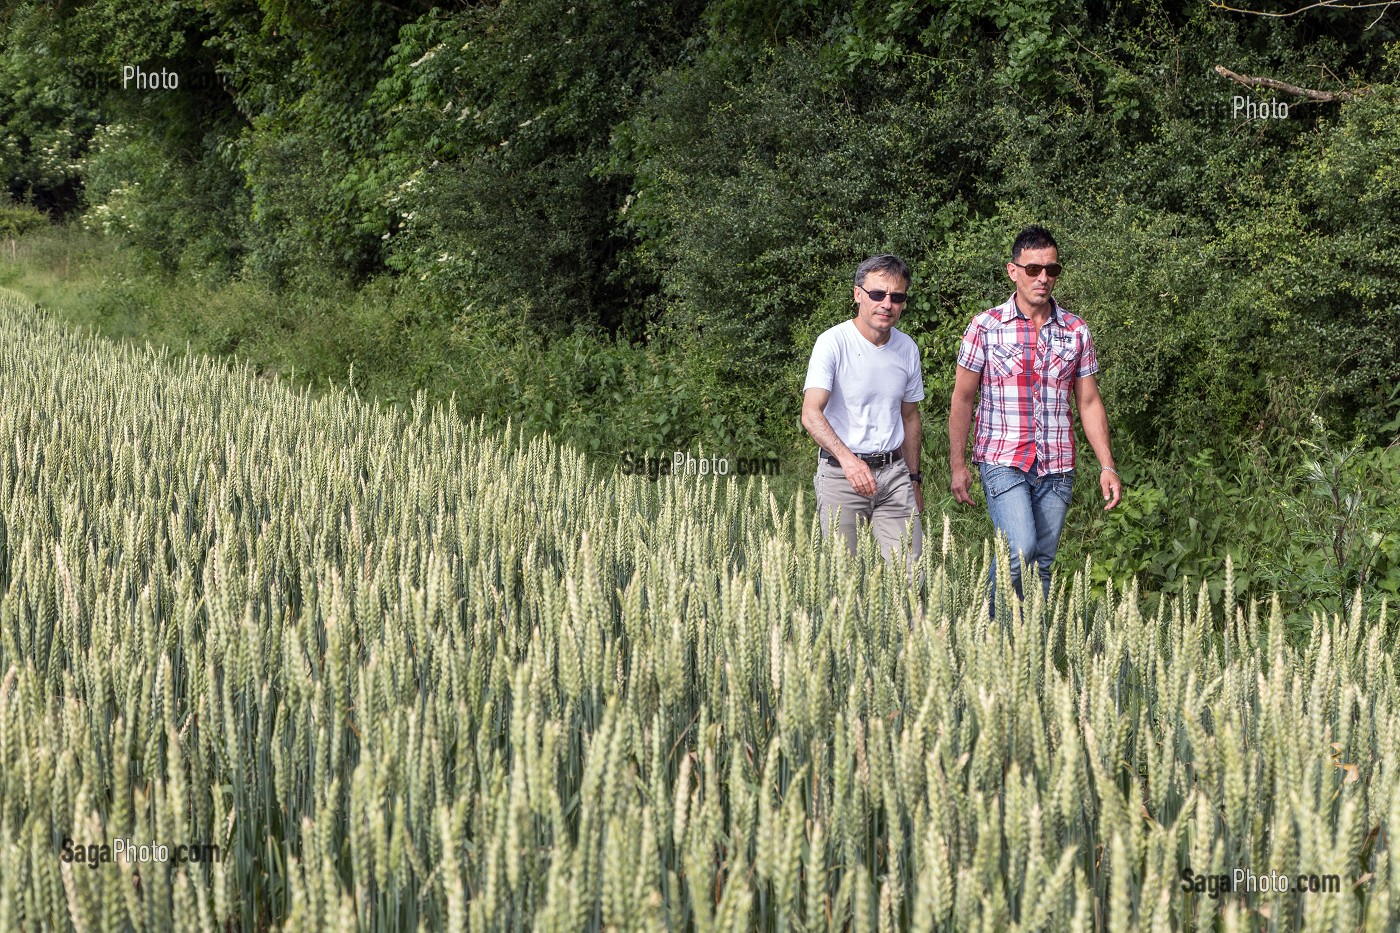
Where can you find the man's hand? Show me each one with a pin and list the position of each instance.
(962, 483)
(1112, 488)
(919, 497)
(858, 475)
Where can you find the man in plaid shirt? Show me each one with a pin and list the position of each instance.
(1025, 357)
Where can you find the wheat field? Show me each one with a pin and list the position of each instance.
(407, 672)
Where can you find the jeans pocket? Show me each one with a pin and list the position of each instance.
(1062, 486)
(998, 479)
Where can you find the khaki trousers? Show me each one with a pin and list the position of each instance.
(888, 513)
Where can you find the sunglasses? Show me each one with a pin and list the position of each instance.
(879, 294)
(1034, 269)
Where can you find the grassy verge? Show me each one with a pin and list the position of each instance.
(602, 396)
(317, 332)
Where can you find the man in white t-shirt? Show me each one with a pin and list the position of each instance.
(860, 403)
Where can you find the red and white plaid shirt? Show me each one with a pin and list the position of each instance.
(1023, 412)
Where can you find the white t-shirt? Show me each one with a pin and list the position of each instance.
(867, 384)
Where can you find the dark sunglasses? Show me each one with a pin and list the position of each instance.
(879, 294)
(1034, 269)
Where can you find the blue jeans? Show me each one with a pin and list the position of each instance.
(1030, 511)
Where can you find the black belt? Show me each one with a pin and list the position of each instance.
(874, 461)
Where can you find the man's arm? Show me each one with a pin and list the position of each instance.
(814, 420)
(1095, 420)
(913, 441)
(959, 426)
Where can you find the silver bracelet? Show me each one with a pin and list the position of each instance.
(1109, 469)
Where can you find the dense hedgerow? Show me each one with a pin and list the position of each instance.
(406, 671)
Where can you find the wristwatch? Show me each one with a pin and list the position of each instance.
(916, 478)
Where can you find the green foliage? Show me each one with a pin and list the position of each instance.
(1181, 517)
(104, 35)
(44, 119)
(150, 166)
(604, 395)
(390, 340)
(1308, 518)
(1215, 272)
(1343, 508)
(189, 217)
(499, 121)
(17, 220)
(305, 73)
(1350, 192)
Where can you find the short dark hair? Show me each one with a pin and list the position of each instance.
(1033, 237)
(886, 263)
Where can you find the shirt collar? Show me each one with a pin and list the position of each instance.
(1010, 311)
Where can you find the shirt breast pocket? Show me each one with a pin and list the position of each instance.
(1007, 361)
(1061, 363)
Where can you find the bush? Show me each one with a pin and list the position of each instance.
(18, 219)
(504, 187)
(186, 216)
(1309, 519)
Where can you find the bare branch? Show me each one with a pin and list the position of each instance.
(1274, 84)
(1325, 4)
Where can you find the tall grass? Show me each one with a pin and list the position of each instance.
(405, 671)
(394, 338)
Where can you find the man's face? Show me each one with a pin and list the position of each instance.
(879, 316)
(1033, 291)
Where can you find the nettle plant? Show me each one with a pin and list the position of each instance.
(404, 671)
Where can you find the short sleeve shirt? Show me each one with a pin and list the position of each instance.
(867, 385)
(1023, 412)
